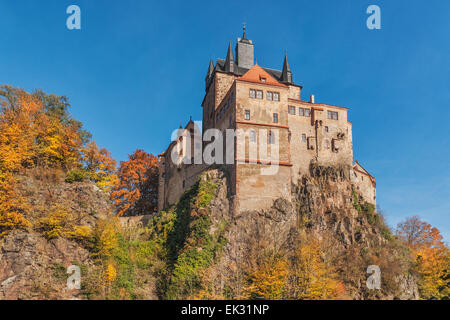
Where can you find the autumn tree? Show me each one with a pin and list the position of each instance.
(267, 278)
(431, 254)
(314, 278)
(137, 190)
(36, 130)
(100, 166)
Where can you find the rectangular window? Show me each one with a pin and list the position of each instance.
(291, 110)
(307, 112)
(332, 115)
(252, 93)
(259, 94)
(269, 95)
(247, 115)
(231, 121)
(303, 137)
(275, 118)
(326, 129)
(301, 111)
(262, 79)
(276, 96)
(252, 136)
(271, 137)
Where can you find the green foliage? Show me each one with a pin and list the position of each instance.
(75, 175)
(189, 247)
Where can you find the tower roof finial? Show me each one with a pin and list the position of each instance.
(244, 27)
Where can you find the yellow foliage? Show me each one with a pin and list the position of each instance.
(12, 205)
(81, 232)
(315, 278)
(267, 280)
(110, 273)
(105, 237)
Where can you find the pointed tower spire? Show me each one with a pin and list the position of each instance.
(244, 37)
(209, 74)
(286, 74)
(210, 68)
(229, 61)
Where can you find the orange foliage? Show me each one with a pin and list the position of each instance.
(137, 190)
(432, 257)
(12, 205)
(101, 167)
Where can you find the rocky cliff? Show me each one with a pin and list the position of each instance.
(326, 206)
(32, 264)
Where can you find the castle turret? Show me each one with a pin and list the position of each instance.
(210, 72)
(229, 61)
(286, 74)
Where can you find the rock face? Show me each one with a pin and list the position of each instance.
(33, 267)
(325, 205)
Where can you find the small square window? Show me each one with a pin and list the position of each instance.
(291, 110)
(301, 111)
(259, 94)
(269, 95)
(247, 115)
(275, 118)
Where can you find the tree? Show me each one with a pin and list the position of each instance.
(137, 190)
(100, 166)
(314, 278)
(431, 254)
(268, 278)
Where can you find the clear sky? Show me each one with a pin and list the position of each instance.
(136, 69)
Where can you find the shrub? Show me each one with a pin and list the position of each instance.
(75, 175)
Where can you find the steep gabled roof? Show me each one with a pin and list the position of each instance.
(258, 75)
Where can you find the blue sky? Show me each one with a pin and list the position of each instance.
(136, 69)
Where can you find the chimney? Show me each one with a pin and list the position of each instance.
(312, 98)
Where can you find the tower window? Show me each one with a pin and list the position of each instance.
(291, 110)
(333, 115)
(275, 118)
(247, 115)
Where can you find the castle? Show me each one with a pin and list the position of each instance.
(264, 103)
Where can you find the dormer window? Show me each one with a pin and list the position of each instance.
(262, 79)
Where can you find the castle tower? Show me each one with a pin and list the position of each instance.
(244, 52)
